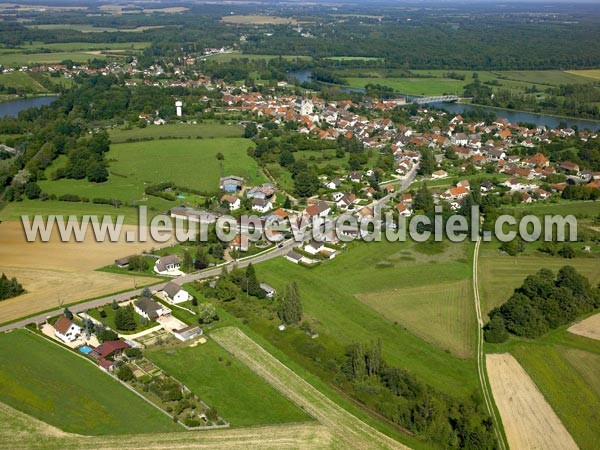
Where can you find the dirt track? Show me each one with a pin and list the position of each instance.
(348, 431)
(529, 421)
(589, 327)
(57, 271)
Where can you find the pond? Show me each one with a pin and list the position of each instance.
(13, 107)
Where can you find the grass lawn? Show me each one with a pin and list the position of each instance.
(414, 86)
(590, 73)
(109, 320)
(329, 297)
(227, 57)
(178, 130)
(442, 314)
(188, 163)
(239, 395)
(56, 386)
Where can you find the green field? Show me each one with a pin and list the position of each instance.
(109, 320)
(329, 297)
(414, 86)
(227, 57)
(239, 395)
(90, 28)
(189, 163)
(442, 314)
(54, 385)
(178, 130)
(500, 275)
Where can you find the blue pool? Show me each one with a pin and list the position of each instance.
(86, 350)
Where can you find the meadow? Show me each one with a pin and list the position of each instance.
(56, 386)
(330, 297)
(435, 82)
(186, 162)
(238, 394)
(177, 130)
(227, 57)
(91, 28)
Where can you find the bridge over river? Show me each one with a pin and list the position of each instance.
(436, 99)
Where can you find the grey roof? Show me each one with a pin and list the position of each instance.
(293, 255)
(172, 289)
(164, 261)
(149, 306)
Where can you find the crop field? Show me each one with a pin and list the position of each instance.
(239, 395)
(528, 419)
(346, 429)
(56, 386)
(91, 28)
(56, 272)
(258, 19)
(590, 73)
(562, 374)
(23, 431)
(190, 163)
(441, 314)
(329, 298)
(178, 130)
(589, 327)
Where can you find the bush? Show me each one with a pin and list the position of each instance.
(495, 330)
(125, 373)
(133, 352)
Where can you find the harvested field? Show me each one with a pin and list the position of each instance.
(589, 327)
(23, 431)
(347, 430)
(55, 271)
(529, 421)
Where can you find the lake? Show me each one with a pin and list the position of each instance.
(459, 108)
(13, 107)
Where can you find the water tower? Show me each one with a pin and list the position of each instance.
(178, 105)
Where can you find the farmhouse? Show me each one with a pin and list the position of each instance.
(122, 262)
(66, 330)
(175, 294)
(167, 264)
(261, 205)
(148, 308)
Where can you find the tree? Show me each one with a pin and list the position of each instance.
(188, 262)
(125, 373)
(32, 190)
(289, 308)
(428, 164)
(96, 172)
(495, 330)
(423, 199)
(125, 319)
(251, 130)
(9, 288)
(138, 264)
(286, 158)
(567, 251)
(200, 259)
(306, 183)
(513, 247)
(226, 291)
(146, 292)
(220, 156)
(114, 305)
(287, 204)
(104, 334)
(207, 313)
(68, 314)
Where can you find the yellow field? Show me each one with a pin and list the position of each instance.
(56, 272)
(528, 419)
(589, 327)
(590, 73)
(441, 314)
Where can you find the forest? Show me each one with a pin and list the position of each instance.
(544, 302)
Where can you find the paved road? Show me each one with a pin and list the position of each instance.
(41, 318)
(274, 253)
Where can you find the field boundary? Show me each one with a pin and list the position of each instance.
(481, 363)
(347, 429)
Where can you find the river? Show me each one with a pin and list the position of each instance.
(459, 108)
(13, 107)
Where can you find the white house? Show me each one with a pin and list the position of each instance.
(233, 202)
(175, 294)
(268, 289)
(66, 330)
(261, 205)
(148, 308)
(166, 265)
(187, 333)
(314, 247)
(438, 174)
(333, 184)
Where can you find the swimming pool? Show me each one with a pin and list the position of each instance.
(85, 349)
